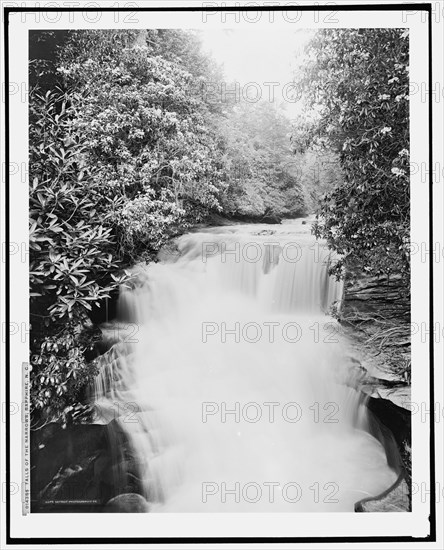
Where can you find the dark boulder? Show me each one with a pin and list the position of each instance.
(80, 468)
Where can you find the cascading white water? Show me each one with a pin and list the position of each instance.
(234, 379)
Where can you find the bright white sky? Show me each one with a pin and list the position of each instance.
(258, 56)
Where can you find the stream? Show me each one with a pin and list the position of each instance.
(230, 389)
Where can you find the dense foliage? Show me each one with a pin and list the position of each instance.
(356, 88)
(148, 132)
(128, 148)
(72, 265)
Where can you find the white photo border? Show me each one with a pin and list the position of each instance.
(224, 527)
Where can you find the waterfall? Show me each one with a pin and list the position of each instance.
(231, 392)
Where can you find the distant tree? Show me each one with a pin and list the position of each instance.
(263, 175)
(320, 172)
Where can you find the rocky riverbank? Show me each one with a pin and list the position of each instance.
(84, 468)
(375, 320)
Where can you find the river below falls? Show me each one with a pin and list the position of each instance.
(231, 386)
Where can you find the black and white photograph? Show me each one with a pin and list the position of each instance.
(220, 256)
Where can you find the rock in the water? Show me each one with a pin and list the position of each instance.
(265, 232)
(129, 503)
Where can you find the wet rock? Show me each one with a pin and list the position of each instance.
(170, 252)
(395, 499)
(265, 232)
(41, 437)
(80, 468)
(386, 425)
(61, 449)
(388, 422)
(394, 418)
(399, 395)
(129, 503)
(375, 321)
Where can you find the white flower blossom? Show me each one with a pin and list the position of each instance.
(398, 172)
